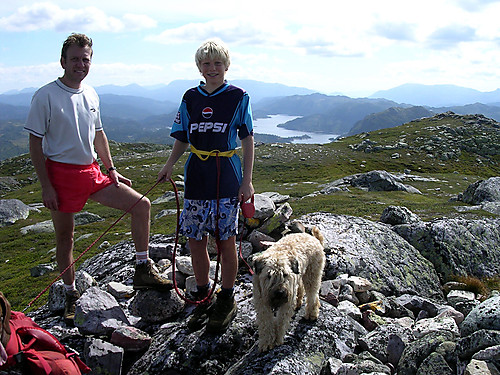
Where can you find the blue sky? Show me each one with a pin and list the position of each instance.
(353, 47)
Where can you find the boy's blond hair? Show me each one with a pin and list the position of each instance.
(213, 49)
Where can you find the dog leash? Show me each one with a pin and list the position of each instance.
(174, 279)
(248, 210)
(90, 246)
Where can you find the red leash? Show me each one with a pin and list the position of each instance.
(89, 247)
(217, 241)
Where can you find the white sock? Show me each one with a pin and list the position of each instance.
(71, 287)
(141, 257)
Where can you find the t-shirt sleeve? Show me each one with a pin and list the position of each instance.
(38, 115)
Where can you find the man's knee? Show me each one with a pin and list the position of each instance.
(143, 207)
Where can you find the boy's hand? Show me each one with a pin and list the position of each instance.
(245, 192)
(165, 174)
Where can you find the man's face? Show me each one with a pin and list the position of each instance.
(76, 65)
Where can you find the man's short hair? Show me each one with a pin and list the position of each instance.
(81, 40)
(213, 49)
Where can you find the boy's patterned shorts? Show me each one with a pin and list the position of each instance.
(198, 218)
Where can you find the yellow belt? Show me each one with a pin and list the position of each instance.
(204, 155)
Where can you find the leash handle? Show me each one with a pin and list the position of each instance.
(248, 208)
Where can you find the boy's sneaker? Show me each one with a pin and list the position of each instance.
(146, 276)
(200, 314)
(70, 306)
(222, 314)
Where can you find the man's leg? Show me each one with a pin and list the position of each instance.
(64, 226)
(123, 198)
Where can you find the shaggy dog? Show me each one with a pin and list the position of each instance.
(286, 271)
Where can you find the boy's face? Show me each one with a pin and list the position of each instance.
(214, 71)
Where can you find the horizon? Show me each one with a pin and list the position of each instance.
(161, 85)
(354, 49)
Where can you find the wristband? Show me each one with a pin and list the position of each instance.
(111, 169)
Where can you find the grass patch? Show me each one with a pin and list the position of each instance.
(291, 169)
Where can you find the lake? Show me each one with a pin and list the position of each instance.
(270, 126)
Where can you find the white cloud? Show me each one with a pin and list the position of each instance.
(48, 16)
(450, 35)
(28, 76)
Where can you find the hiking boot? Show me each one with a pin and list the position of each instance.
(146, 276)
(200, 314)
(222, 314)
(70, 306)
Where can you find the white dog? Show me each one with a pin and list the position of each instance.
(286, 271)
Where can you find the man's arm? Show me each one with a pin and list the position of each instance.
(102, 148)
(49, 195)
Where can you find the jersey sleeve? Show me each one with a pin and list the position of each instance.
(246, 124)
(180, 126)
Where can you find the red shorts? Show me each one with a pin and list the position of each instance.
(74, 184)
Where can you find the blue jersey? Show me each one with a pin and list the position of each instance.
(212, 122)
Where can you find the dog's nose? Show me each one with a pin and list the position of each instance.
(279, 297)
(280, 294)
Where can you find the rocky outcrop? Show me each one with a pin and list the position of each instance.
(370, 181)
(383, 308)
(484, 194)
(457, 247)
(482, 191)
(12, 210)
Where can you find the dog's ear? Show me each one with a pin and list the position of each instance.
(258, 266)
(294, 265)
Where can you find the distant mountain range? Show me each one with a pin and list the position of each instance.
(438, 95)
(144, 114)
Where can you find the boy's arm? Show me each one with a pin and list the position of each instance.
(177, 150)
(246, 190)
(49, 195)
(102, 148)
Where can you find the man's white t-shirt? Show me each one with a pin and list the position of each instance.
(67, 120)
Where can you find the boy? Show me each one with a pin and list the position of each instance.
(66, 137)
(209, 119)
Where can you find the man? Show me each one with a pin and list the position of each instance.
(66, 137)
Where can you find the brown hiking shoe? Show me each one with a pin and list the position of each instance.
(70, 306)
(146, 276)
(222, 314)
(200, 314)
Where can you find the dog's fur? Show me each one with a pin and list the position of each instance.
(286, 271)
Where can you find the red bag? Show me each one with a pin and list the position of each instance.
(38, 351)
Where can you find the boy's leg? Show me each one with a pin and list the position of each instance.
(229, 262)
(123, 198)
(201, 266)
(225, 308)
(200, 260)
(64, 226)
